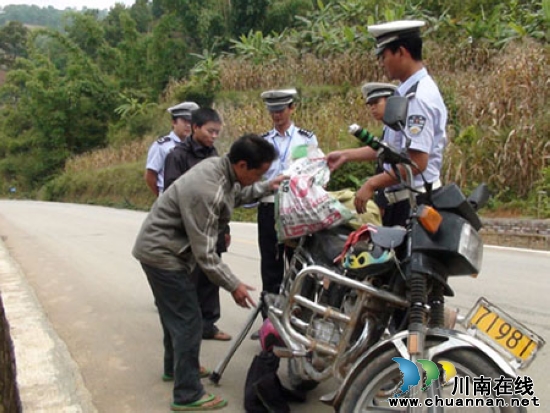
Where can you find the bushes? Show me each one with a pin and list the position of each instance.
(351, 175)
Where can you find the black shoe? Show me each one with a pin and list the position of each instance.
(255, 335)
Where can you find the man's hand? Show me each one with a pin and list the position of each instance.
(362, 196)
(335, 160)
(241, 296)
(151, 181)
(275, 182)
(227, 240)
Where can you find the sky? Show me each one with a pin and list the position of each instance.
(63, 4)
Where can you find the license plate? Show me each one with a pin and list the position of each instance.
(503, 332)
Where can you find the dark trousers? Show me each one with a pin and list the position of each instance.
(209, 301)
(178, 306)
(271, 251)
(396, 214)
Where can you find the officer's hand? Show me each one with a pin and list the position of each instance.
(241, 296)
(275, 182)
(335, 160)
(227, 240)
(362, 196)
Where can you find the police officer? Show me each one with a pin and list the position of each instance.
(286, 138)
(181, 128)
(399, 49)
(376, 94)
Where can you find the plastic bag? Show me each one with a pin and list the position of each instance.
(302, 206)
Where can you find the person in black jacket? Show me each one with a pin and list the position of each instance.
(206, 125)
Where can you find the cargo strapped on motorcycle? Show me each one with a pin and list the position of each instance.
(362, 253)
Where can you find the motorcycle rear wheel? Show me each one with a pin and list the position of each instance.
(371, 389)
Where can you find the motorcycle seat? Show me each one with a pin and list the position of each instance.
(327, 244)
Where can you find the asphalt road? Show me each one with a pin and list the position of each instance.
(77, 260)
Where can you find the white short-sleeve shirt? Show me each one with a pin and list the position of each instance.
(284, 144)
(157, 155)
(426, 122)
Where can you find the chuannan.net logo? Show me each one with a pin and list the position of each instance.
(412, 374)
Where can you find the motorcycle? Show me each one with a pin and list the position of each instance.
(383, 300)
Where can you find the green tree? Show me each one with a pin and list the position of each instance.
(247, 15)
(51, 113)
(167, 52)
(142, 15)
(13, 39)
(281, 14)
(112, 25)
(86, 32)
(130, 56)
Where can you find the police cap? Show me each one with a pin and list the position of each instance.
(387, 33)
(183, 110)
(375, 90)
(277, 100)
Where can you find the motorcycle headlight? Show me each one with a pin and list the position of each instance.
(471, 247)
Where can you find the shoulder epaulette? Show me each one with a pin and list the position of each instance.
(265, 135)
(163, 139)
(306, 133)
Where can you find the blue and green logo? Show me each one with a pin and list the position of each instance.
(412, 374)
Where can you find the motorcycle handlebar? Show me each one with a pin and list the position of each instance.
(386, 153)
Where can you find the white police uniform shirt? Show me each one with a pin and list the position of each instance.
(157, 155)
(426, 121)
(284, 145)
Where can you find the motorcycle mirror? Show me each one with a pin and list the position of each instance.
(479, 197)
(395, 114)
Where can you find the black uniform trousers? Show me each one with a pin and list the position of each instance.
(398, 213)
(271, 251)
(209, 300)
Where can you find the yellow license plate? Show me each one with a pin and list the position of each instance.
(503, 331)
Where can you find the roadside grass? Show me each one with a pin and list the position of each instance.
(118, 186)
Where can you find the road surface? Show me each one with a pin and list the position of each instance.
(77, 261)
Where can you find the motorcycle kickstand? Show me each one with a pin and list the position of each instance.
(216, 374)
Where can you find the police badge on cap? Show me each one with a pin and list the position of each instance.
(374, 90)
(387, 33)
(277, 100)
(183, 110)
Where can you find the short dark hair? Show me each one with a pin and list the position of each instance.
(252, 149)
(412, 44)
(204, 115)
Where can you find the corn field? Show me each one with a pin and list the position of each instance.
(499, 123)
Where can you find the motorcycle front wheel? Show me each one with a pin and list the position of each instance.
(373, 388)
